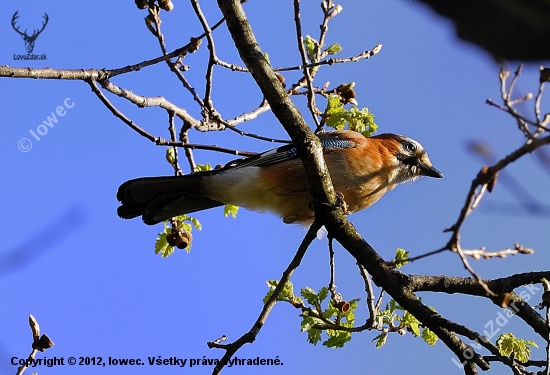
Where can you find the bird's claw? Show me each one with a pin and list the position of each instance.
(341, 203)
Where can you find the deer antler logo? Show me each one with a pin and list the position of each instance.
(29, 39)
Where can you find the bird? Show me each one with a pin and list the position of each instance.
(362, 170)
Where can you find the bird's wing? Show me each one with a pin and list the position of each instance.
(329, 141)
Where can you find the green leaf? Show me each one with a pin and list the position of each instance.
(323, 294)
(195, 223)
(162, 246)
(266, 56)
(415, 328)
(359, 120)
(230, 209)
(287, 294)
(408, 319)
(311, 46)
(203, 167)
(401, 257)
(337, 339)
(272, 284)
(330, 312)
(380, 340)
(309, 295)
(386, 316)
(314, 336)
(392, 305)
(507, 344)
(170, 155)
(334, 49)
(429, 337)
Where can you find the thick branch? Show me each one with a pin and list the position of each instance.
(321, 187)
(450, 285)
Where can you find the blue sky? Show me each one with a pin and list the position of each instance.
(93, 281)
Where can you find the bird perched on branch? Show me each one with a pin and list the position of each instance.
(362, 170)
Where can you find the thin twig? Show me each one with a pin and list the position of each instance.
(233, 67)
(190, 47)
(155, 11)
(474, 273)
(39, 344)
(395, 262)
(331, 284)
(484, 177)
(518, 117)
(364, 55)
(307, 73)
(173, 136)
(251, 135)
(184, 135)
(212, 56)
(263, 107)
(250, 336)
(158, 140)
(373, 311)
(142, 101)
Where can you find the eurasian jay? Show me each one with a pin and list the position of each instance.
(362, 170)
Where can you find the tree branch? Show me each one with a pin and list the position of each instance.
(332, 217)
(250, 336)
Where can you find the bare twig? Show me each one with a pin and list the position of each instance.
(307, 73)
(364, 55)
(251, 135)
(208, 105)
(173, 136)
(485, 177)
(184, 135)
(331, 284)
(158, 140)
(373, 310)
(263, 107)
(155, 12)
(39, 344)
(482, 253)
(190, 47)
(233, 67)
(250, 336)
(159, 101)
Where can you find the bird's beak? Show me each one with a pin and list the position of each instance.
(426, 169)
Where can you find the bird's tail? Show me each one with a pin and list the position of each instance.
(160, 198)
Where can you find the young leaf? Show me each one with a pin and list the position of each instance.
(429, 337)
(380, 340)
(314, 336)
(230, 209)
(334, 49)
(401, 257)
(507, 344)
(311, 46)
(162, 246)
(323, 293)
(359, 120)
(203, 167)
(287, 294)
(337, 339)
(309, 295)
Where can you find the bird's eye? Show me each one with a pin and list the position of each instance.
(409, 147)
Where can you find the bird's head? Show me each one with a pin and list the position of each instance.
(411, 158)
